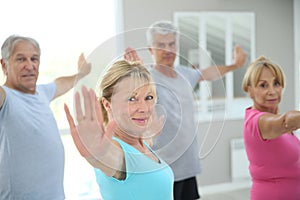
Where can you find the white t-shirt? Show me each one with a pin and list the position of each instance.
(31, 151)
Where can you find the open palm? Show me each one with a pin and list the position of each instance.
(89, 136)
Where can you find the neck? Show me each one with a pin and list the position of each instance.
(21, 89)
(129, 139)
(274, 110)
(137, 143)
(166, 70)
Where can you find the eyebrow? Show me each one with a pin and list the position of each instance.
(21, 54)
(262, 80)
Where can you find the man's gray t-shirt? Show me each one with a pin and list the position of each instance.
(177, 143)
(31, 151)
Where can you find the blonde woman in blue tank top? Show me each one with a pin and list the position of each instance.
(112, 135)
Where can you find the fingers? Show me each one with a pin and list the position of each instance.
(92, 104)
(237, 48)
(131, 54)
(89, 97)
(81, 60)
(128, 54)
(69, 116)
(79, 113)
(239, 56)
(74, 133)
(237, 51)
(88, 107)
(98, 110)
(129, 50)
(84, 68)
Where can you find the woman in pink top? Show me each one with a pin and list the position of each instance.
(272, 148)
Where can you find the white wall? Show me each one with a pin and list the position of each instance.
(297, 51)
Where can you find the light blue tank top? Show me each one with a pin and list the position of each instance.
(145, 178)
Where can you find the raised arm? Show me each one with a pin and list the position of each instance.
(216, 72)
(65, 83)
(92, 140)
(272, 126)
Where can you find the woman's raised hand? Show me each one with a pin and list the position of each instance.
(92, 140)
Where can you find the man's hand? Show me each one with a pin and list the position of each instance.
(239, 57)
(132, 56)
(84, 68)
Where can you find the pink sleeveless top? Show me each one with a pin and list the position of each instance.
(274, 164)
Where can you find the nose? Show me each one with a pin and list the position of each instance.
(142, 106)
(271, 90)
(29, 65)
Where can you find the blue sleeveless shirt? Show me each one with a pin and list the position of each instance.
(145, 178)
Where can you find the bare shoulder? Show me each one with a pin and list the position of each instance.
(2, 96)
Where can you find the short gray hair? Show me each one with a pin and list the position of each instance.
(160, 27)
(9, 45)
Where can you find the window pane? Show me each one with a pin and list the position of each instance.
(215, 27)
(189, 40)
(241, 26)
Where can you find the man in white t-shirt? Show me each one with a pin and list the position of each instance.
(31, 150)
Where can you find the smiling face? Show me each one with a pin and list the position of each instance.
(132, 105)
(22, 67)
(266, 94)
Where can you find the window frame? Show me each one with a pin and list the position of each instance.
(229, 107)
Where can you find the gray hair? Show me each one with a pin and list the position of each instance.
(160, 27)
(10, 43)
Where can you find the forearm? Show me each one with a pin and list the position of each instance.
(273, 126)
(64, 84)
(292, 120)
(216, 72)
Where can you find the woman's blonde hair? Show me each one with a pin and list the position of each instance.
(117, 72)
(253, 72)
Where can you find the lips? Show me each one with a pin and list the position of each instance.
(140, 120)
(272, 100)
(168, 56)
(28, 75)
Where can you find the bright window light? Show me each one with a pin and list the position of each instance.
(64, 29)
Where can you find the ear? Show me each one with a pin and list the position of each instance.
(150, 49)
(250, 91)
(106, 104)
(4, 67)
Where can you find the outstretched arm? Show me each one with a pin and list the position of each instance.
(272, 126)
(64, 84)
(216, 72)
(92, 140)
